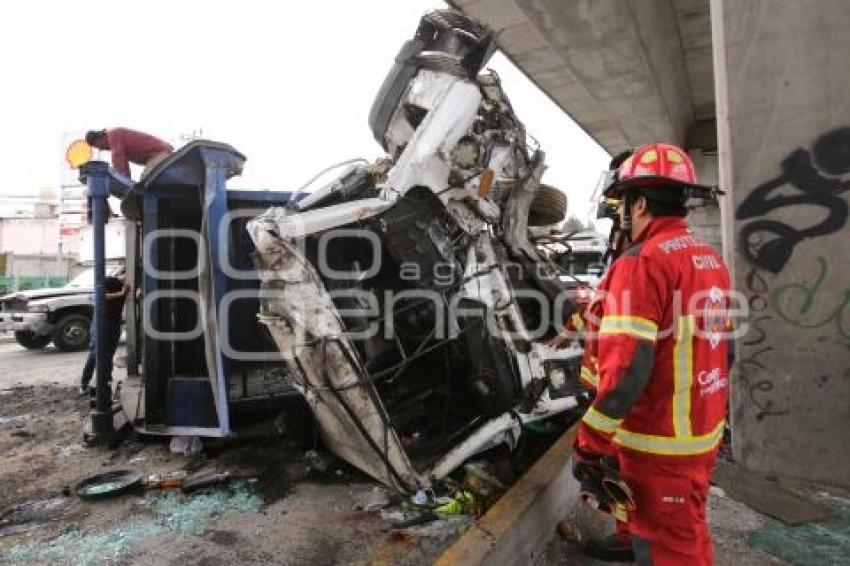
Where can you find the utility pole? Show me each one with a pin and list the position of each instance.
(96, 175)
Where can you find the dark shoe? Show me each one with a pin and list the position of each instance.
(84, 389)
(615, 548)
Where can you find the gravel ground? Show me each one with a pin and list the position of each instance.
(287, 513)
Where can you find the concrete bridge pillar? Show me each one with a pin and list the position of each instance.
(782, 78)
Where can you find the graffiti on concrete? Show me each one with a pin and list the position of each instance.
(803, 305)
(816, 177)
(753, 372)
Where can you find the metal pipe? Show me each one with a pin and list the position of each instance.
(96, 174)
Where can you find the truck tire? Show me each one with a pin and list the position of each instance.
(30, 340)
(548, 207)
(72, 332)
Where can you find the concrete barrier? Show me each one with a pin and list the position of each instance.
(516, 529)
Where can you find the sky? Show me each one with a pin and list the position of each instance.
(288, 84)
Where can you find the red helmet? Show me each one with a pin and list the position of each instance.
(652, 165)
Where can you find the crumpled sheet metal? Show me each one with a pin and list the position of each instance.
(304, 323)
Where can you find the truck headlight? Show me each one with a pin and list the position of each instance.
(38, 308)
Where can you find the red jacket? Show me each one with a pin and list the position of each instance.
(128, 145)
(663, 349)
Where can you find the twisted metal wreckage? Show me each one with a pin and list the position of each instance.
(402, 292)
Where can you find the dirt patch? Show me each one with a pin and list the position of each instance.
(40, 431)
(283, 504)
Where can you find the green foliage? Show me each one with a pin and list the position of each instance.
(575, 224)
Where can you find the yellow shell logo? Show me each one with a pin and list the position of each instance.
(78, 152)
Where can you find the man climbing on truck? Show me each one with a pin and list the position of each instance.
(129, 146)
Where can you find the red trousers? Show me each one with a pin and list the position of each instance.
(668, 524)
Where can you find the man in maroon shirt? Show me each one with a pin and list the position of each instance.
(128, 146)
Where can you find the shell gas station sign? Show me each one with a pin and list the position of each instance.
(77, 153)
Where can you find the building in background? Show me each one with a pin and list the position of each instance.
(45, 238)
(29, 240)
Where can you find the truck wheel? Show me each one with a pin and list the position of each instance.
(30, 340)
(72, 332)
(548, 207)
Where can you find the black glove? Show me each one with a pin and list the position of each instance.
(613, 485)
(588, 470)
(586, 464)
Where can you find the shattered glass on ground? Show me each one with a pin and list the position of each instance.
(812, 544)
(168, 512)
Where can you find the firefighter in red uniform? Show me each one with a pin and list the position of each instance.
(663, 353)
(584, 325)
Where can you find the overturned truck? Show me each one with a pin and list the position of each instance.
(405, 297)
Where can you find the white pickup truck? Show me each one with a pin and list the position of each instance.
(581, 255)
(61, 315)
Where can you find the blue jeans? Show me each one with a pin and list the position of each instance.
(110, 344)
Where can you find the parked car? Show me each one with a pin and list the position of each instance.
(61, 315)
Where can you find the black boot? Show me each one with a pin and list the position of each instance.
(614, 548)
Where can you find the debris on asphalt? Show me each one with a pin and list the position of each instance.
(419, 498)
(107, 484)
(480, 478)
(373, 500)
(569, 531)
(69, 450)
(25, 516)
(186, 445)
(414, 519)
(444, 529)
(18, 420)
(393, 515)
(167, 511)
(205, 480)
(172, 480)
(319, 462)
(463, 502)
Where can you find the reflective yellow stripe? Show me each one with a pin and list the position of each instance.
(668, 445)
(589, 376)
(601, 422)
(636, 326)
(683, 376)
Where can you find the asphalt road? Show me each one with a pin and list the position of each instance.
(49, 366)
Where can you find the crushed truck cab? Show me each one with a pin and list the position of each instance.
(406, 297)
